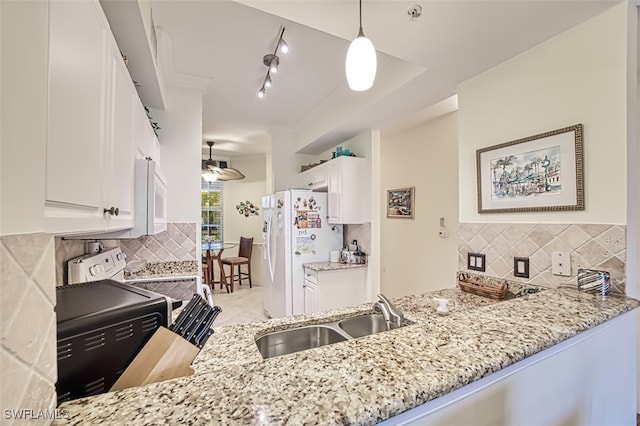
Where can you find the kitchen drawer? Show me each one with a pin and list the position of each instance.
(311, 275)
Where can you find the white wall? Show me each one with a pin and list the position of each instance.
(180, 152)
(251, 189)
(579, 76)
(413, 258)
(24, 48)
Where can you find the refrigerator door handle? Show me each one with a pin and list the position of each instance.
(268, 248)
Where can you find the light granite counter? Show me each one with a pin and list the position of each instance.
(332, 266)
(360, 381)
(163, 270)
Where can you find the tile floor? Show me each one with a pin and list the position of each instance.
(242, 306)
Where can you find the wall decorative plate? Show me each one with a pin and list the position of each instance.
(247, 208)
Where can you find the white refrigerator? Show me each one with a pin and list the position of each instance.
(295, 231)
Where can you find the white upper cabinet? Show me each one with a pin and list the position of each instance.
(118, 185)
(314, 178)
(349, 190)
(145, 140)
(90, 136)
(78, 76)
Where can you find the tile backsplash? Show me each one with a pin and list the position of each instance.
(362, 233)
(177, 243)
(28, 324)
(596, 246)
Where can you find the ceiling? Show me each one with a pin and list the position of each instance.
(420, 62)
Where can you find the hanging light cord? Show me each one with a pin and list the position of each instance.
(360, 33)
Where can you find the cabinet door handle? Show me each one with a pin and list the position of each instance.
(113, 211)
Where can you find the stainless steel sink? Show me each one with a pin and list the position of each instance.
(313, 336)
(363, 325)
(297, 339)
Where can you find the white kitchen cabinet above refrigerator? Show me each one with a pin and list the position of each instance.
(349, 190)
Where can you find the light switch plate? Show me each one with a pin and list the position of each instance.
(476, 262)
(521, 267)
(561, 263)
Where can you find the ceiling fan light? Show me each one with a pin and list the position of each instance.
(361, 64)
(209, 176)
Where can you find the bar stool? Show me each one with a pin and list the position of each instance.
(243, 258)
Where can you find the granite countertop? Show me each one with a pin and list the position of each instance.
(332, 266)
(163, 269)
(360, 381)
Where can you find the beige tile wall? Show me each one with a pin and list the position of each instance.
(594, 246)
(28, 325)
(362, 233)
(177, 243)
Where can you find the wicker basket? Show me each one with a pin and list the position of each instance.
(486, 290)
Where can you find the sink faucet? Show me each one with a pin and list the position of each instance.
(392, 315)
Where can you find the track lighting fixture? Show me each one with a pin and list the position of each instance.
(361, 62)
(272, 61)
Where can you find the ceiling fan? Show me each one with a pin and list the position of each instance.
(212, 170)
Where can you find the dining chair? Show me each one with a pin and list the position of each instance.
(243, 258)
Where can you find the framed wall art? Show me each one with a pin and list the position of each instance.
(543, 172)
(400, 203)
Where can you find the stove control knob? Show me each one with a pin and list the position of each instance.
(93, 270)
(121, 256)
(100, 269)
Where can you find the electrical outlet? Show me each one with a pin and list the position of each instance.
(476, 262)
(443, 233)
(561, 263)
(521, 267)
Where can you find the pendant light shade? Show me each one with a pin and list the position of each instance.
(361, 63)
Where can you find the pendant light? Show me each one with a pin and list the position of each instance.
(361, 61)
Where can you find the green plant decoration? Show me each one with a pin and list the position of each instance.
(154, 124)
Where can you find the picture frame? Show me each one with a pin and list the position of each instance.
(543, 172)
(400, 203)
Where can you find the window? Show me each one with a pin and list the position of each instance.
(212, 211)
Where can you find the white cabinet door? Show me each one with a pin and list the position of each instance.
(315, 177)
(334, 289)
(339, 288)
(78, 74)
(310, 297)
(89, 156)
(119, 183)
(145, 140)
(349, 187)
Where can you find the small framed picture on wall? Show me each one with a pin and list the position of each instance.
(400, 203)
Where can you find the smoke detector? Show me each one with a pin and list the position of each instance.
(414, 12)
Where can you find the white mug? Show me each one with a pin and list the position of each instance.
(334, 256)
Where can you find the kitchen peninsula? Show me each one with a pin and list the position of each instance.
(436, 364)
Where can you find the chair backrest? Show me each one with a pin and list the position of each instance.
(246, 246)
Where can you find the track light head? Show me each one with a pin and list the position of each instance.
(267, 81)
(272, 61)
(284, 47)
(261, 92)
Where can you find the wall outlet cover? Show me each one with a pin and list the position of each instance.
(521, 267)
(561, 263)
(476, 262)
